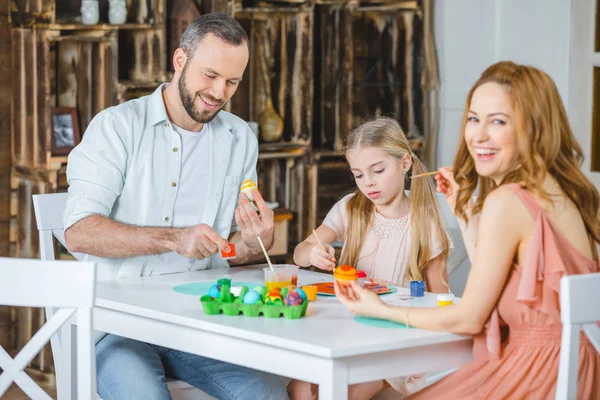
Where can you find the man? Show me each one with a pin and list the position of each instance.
(153, 189)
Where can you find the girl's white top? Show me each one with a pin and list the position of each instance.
(386, 249)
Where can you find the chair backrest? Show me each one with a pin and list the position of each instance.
(579, 309)
(448, 217)
(67, 285)
(48, 215)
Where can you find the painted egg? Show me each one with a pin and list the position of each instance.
(252, 297)
(293, 299)
(301, 292)
(215, 290)
(273, 297)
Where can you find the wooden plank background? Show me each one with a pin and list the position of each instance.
(5, 158)
(93, 69)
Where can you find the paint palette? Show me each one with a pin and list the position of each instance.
(326, 288)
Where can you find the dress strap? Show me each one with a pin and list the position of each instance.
(530, 202)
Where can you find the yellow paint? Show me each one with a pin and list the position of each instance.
(277, 284)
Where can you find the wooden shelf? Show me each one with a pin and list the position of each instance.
(274, 9)
(282, 146)
(267, 151)
(57, 161)
(127, 84)
(281, 154)
(328, 153)
(96, 27)
(375, 5)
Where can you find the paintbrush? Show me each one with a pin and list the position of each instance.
(425, 174)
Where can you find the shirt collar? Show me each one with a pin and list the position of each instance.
(157, 112)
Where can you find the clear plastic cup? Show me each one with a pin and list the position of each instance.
(294, 269)
(279, 277)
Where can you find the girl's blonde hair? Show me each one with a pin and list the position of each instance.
(386, 134)
(545, 143)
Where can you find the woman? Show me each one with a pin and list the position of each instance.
(535, 219)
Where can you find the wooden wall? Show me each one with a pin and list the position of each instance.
(50, 60)
(281, 39)
(5, 161)
(329, 65)
(370, 63)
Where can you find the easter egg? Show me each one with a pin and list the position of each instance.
(215, 290)
(273, 297)
(252, 297)
(293, 299)
(301, 292)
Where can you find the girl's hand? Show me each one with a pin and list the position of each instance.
(359, 300)
(322, 259)
(447, 185)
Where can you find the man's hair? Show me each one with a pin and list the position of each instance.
(222, 25)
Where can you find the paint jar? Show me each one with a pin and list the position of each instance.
(445, 299)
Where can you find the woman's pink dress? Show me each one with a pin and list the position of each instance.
(517, 355)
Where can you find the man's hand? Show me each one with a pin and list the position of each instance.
(253, 224)
(199, 241)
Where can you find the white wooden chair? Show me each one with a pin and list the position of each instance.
(48, 214)
(70, 287)
(579, 310)
(459, 257)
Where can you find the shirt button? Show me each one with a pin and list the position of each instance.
(167, 125)
(174, 184)
(166, 219)
(175, 149)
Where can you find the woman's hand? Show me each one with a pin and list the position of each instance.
(322, 259)
(447, 185)
(359, 300)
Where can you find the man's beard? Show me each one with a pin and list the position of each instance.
(188, 101)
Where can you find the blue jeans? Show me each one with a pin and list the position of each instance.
(128, 370)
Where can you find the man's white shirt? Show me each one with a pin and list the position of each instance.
(132, 166)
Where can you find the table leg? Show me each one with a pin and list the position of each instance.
(334, 386)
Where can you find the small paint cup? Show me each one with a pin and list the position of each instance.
(445, 299)
(417, 288)
(311, 292)
(362, 276)
(231, 254)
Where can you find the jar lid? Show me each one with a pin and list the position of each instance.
(445, 297)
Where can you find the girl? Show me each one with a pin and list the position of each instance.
(388, 235)
(537, 220)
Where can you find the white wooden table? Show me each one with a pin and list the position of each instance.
(326, 347)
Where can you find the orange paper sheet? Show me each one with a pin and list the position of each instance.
(326, 288)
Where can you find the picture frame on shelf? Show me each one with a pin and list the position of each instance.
(65, 130)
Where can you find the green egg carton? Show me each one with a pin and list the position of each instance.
(231, 305)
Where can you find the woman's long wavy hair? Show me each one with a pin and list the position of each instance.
(386, 134)
(545, 141)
